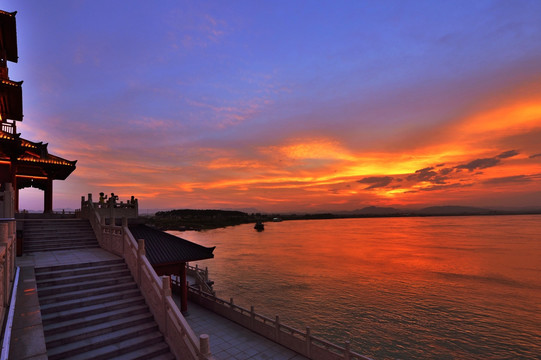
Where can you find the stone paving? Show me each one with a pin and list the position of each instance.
(230, 341)
(227, 339)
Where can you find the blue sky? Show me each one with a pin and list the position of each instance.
(282, 105)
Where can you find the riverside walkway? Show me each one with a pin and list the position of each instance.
(227, 339)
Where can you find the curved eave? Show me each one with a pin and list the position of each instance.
(163, 248)
(11, 100)
(9, 34)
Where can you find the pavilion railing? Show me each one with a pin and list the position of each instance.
(110, 209)
(7, 263)
(8, 127)
(178, 334)
(301, 342)
(201, 277)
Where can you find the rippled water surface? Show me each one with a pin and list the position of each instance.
(437, 287)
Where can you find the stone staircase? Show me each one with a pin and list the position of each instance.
(96, 311)
(57, 234)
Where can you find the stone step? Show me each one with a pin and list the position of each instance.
(79, 271)
(77, 266)
(32, 230)
(56, 307)
(91, 310)
(58, 241)
(53, 236)
(57, 226)
(121, 348)
(48, 221)
(63, 245)
(107, 345)
(89, 331)
(74, 279)
(70, 232)
(159, 351)
(81, 294)
(72, 324)
(58, 248)
(55, 244)
(65, 288)
(66, 230)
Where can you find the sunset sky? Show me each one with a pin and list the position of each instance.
(285, 105)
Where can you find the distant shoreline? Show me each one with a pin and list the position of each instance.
(189, 219)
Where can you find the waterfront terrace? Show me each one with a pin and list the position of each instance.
(47, 306)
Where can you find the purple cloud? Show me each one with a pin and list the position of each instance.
(479, 164)
(509, 179)
(428, 174)
(376, 181)
(507, 154)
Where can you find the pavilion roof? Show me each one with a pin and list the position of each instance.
(8, 31)
(11, 100)
(163, 248)
(33, 159)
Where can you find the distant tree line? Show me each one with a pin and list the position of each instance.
(189, 219)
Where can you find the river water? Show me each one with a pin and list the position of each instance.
(397, 288)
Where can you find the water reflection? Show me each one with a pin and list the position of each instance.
(397, 287)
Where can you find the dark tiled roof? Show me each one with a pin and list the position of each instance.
(164, 248)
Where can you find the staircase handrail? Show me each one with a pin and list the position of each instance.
(201, 278)
(157, 292)
(95, 221)
(7, 264)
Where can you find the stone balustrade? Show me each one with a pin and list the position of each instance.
(7, 263)
(178, 334)
(200, 276)
(7, 201)
(110, 208)
(301, 342)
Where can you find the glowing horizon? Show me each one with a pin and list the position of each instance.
(352, 105)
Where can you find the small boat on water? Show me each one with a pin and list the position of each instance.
(259, 226)
(276, 219)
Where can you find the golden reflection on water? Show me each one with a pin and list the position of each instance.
(397, 287)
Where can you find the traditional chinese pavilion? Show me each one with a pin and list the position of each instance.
(23, 163)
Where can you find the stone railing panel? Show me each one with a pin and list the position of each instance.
(178, 328)
(130, 255)
(110, 210)
(296, 340)
(4, 289)
(7, 262)
(151, 291)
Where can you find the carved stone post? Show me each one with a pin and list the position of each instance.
(166, 291)
(140, 254)
(183, 289)
(125, 247)
(204, 345)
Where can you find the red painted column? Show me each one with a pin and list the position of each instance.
(48, 197)
(183, 289)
